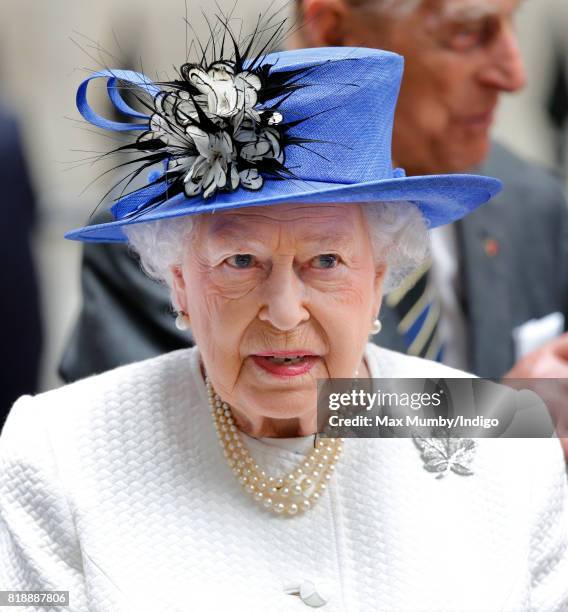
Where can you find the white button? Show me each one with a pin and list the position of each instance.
(314, 595)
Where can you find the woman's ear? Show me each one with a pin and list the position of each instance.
(178, 287)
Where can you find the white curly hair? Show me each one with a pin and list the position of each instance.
(397, 230)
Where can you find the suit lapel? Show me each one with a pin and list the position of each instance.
(485, 283)
(484, 245)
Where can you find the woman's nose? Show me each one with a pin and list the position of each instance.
(284, 298)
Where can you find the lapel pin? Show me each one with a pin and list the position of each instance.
(491, 247)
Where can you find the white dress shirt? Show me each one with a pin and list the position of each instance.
(447, 284)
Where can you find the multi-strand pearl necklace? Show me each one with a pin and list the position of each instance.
(288, 495)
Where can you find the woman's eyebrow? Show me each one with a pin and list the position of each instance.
(231, 229)
(337, 240)
(236, 238)
(239, 230)
(329, 240)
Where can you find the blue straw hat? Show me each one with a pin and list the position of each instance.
(311, 125)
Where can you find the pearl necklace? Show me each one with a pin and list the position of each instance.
(289, 495)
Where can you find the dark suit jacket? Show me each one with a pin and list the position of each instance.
(20, 335)
(127, 317)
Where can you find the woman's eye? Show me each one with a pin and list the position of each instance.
(326, 261)
(240, 261)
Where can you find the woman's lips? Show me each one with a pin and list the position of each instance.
(286, 363)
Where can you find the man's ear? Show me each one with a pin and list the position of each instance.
(178, 288)
(324, 22)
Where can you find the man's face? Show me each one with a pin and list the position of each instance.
(460, 55)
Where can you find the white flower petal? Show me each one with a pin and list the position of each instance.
(251, 179)
(220, 175)
(272, 138)
(219, 87)
(253, 114)
(240, 101)
(221, 71)
(209, 184)
(200, 139)
(191, 189)
(250, 79)
(237, 118)
(245, 132)
(251, 98)
(184, 110)
(225, 145)
(198, 170)
(222, 99)
(181, 164)
(234, 177)
(168, 132)
(200, 79)
(244, 136)
(158, 123)
(256, 150)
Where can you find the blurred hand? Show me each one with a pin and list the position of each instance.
(550, 361)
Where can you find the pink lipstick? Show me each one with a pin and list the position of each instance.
(286, 363)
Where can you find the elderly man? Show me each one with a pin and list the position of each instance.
(498, 284)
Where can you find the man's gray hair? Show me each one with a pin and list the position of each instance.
(397, 230)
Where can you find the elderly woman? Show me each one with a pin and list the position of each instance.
(198, 480)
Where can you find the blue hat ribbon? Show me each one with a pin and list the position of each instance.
(114, 93)
(137, 199)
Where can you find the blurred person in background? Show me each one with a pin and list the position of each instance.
(494, 299)
(21, 338)
(509, 259)
(557, 103)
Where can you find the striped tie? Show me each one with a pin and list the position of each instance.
(418, 308)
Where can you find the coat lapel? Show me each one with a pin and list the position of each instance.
(484, 246)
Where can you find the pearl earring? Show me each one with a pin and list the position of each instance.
(182, 321)
(376, 327)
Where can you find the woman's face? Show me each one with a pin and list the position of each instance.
(265, 284)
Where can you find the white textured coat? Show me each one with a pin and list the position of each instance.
(116, 489)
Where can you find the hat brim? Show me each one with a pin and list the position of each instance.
(441, 199)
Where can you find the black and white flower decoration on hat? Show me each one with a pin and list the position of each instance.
(218, 126)
(215, 137)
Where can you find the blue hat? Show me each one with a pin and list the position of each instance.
(311, 126)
